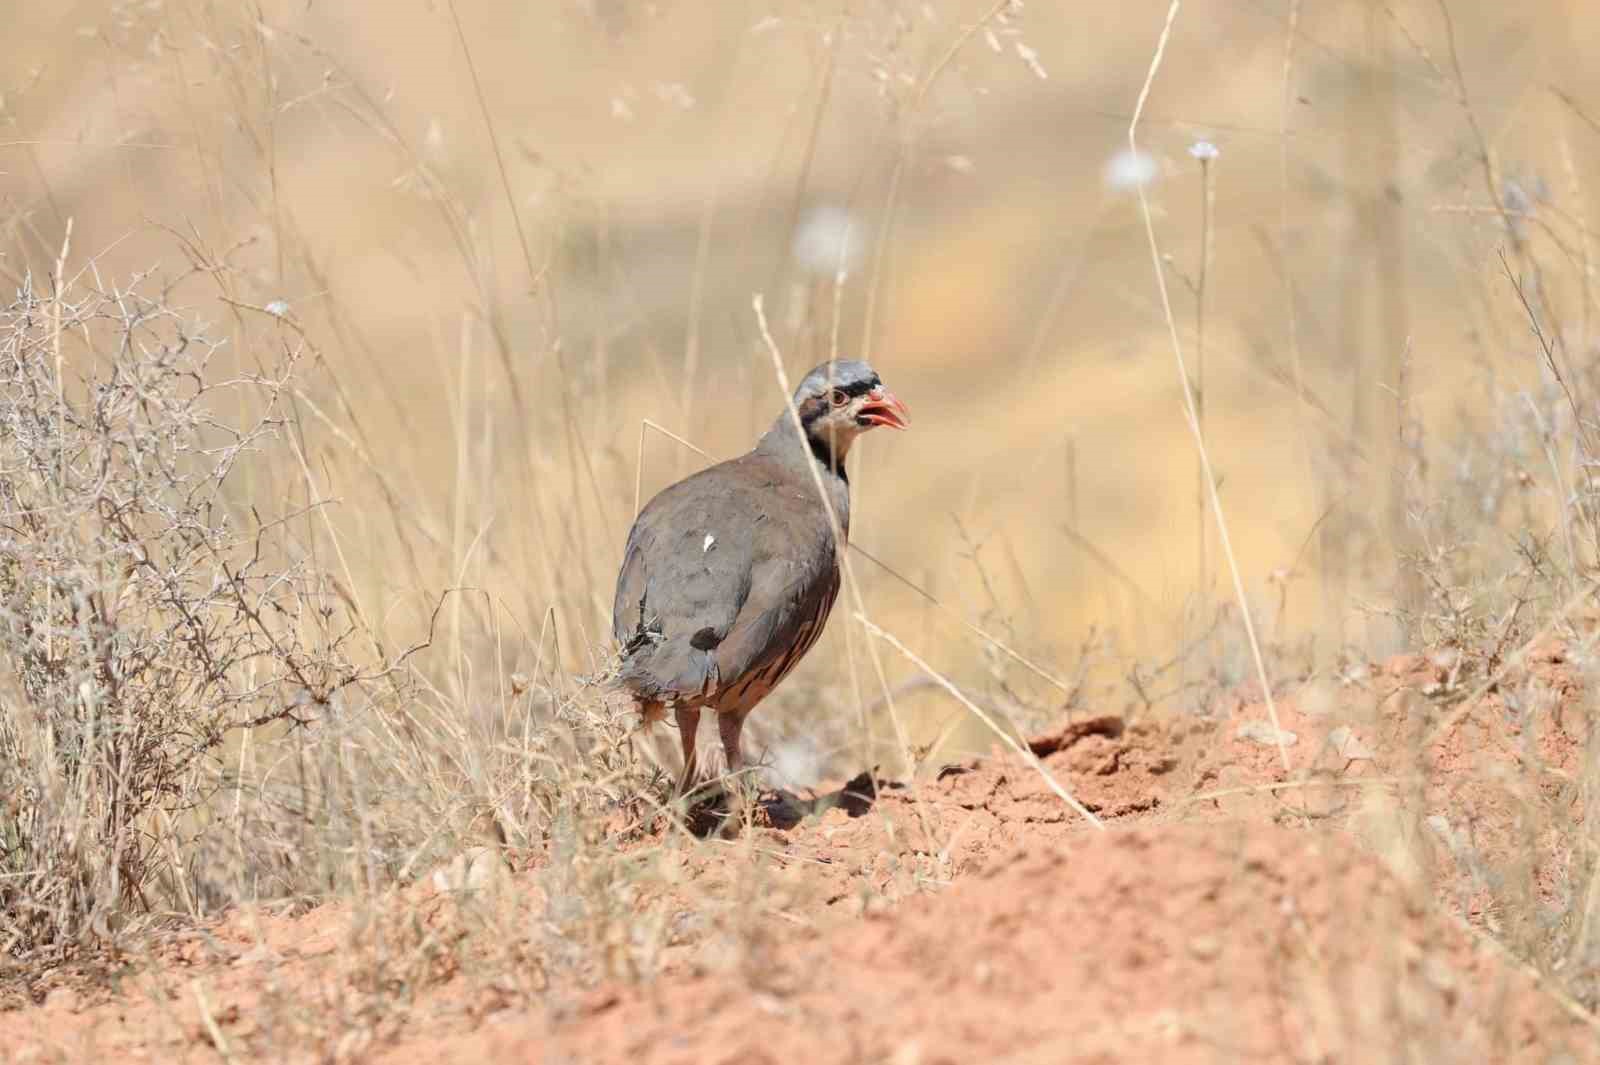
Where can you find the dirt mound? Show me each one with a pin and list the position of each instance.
(1173, 943)
(1351, 909)
(1487, 786)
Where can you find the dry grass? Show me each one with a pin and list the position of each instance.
(315, 467)
(151, 612)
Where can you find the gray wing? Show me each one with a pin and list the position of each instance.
(780, 620)
(672, 584)
(685, 576)
(727, 577)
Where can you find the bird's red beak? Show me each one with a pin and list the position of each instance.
(883, 408)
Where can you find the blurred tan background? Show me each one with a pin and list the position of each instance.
(475, 400)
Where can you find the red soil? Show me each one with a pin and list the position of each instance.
(974, 917)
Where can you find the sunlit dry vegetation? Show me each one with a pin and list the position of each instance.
(341, 343)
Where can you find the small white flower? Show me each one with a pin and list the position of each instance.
(1129, 169)
(828, 241)
(1204, 151)
(277, 308)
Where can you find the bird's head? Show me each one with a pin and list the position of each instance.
(840, 400)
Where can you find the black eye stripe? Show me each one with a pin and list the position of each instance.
(816, 406)
(857, 388)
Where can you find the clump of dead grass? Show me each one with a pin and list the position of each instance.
(150, 612)
(187, 680)
(196, 713)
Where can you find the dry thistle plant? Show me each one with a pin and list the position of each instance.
(148, 613)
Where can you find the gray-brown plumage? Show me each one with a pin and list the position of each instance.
(729, 575)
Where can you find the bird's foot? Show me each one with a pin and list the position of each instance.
(742, 801)
(722, 806)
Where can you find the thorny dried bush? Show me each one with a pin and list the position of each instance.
(147, 612)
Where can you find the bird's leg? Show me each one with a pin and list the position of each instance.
(688, 726)
(729, 726)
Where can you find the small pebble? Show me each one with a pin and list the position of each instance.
(1263, 733)
(1345, 741)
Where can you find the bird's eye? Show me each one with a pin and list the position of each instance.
(838, 398)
